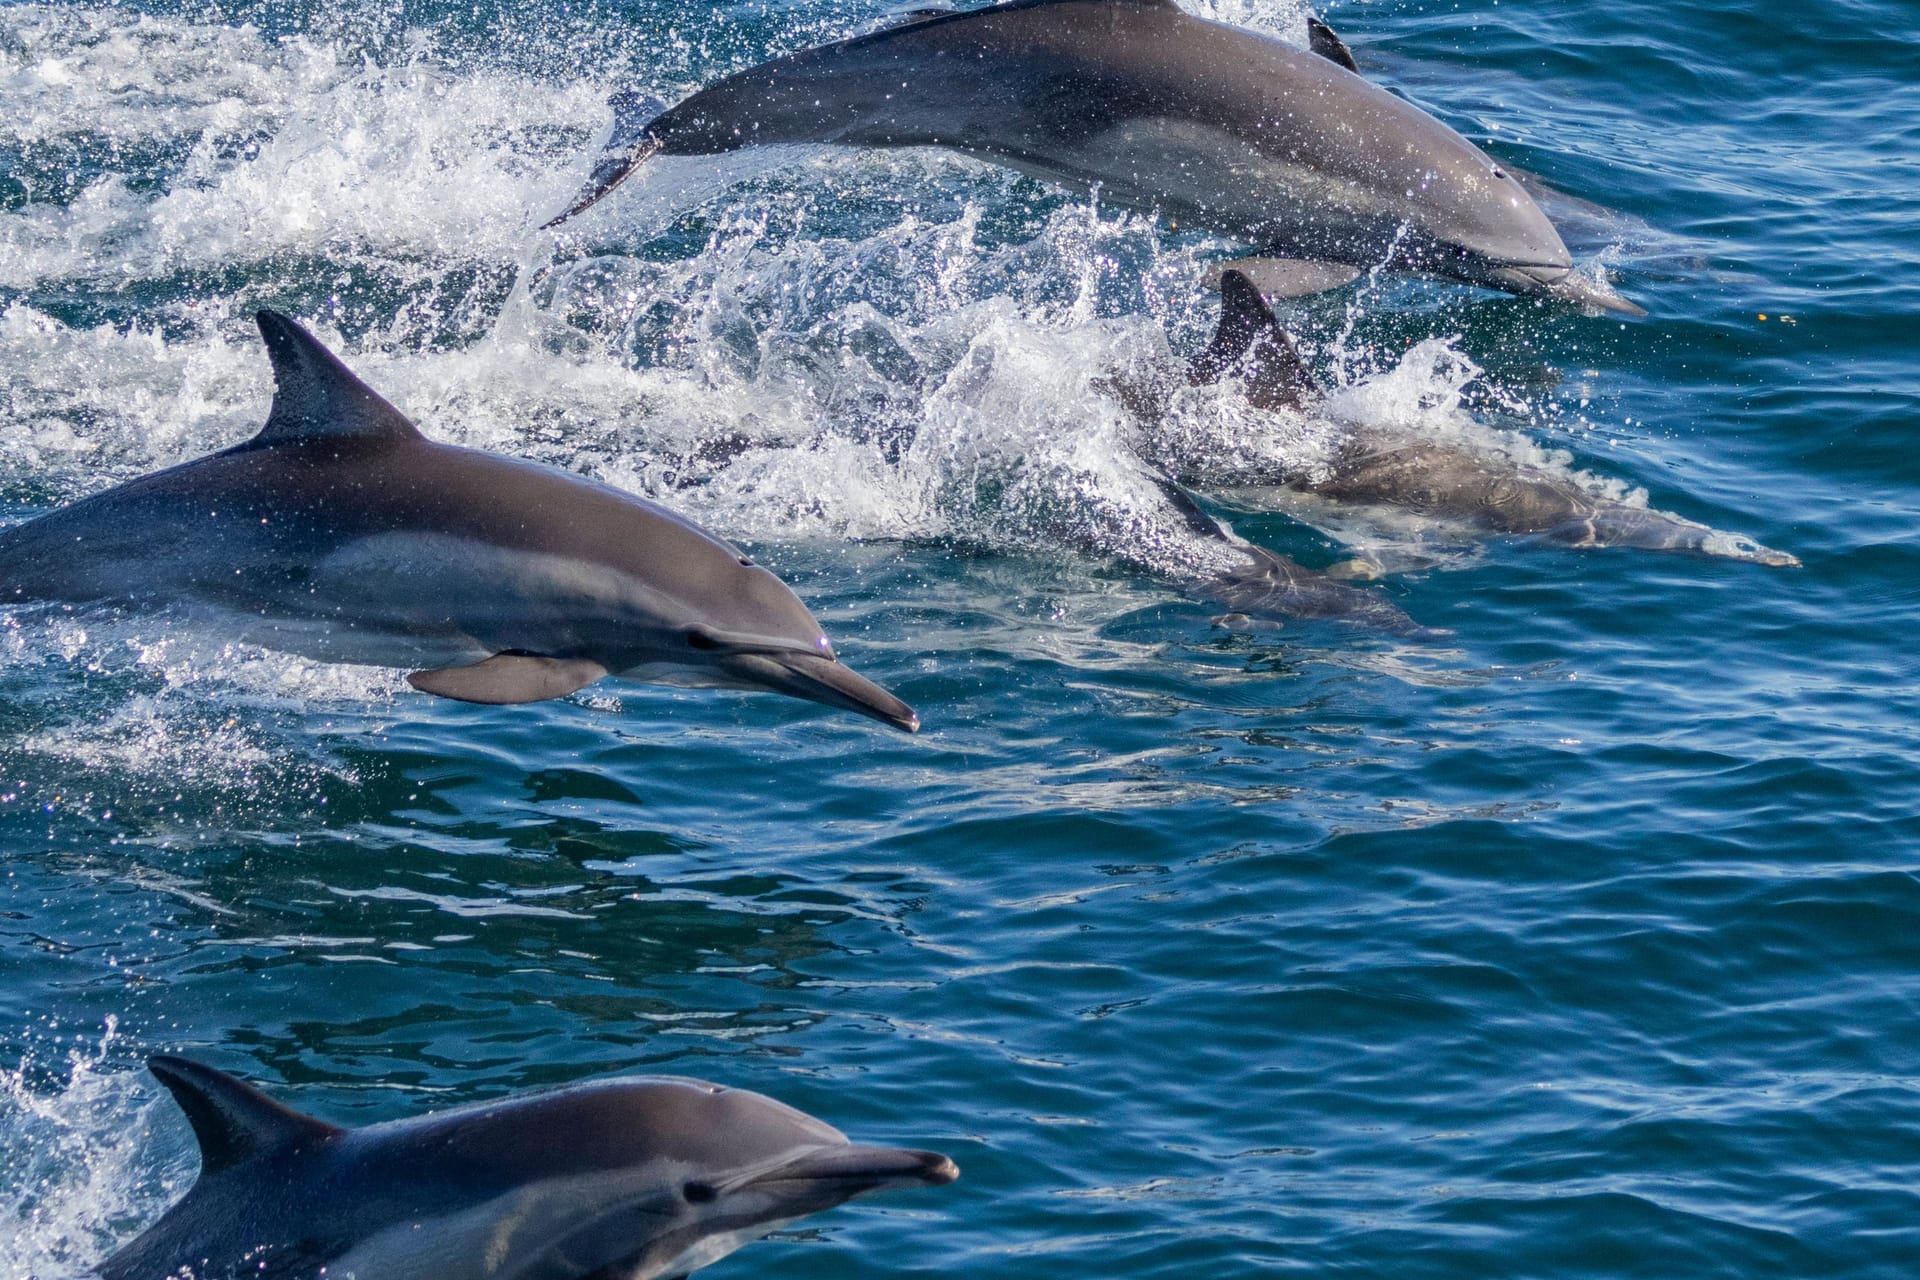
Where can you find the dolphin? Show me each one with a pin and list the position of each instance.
(342, 533)
(623, 1179)
(1218, 128)
(1431, 477)
(1259, 588)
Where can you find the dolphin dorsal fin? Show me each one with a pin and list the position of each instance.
(1325, 41)
(314, 395)
(232, 1120)
(1251, 339)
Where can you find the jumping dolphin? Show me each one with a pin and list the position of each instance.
(1216, 127)
(625, 1179)
(340, 532)
(1432, 477)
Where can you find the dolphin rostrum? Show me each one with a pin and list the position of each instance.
(623, 1179)
(1431, 477)
(1219, 128)
(340, 532)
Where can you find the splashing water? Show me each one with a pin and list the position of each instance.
(76, 1143)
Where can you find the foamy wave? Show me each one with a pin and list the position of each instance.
(76, 1160)
(133, 701)
(269, 149)
(1283, 19)
(111, 78)
(112, 402)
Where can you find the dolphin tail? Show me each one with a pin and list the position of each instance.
(628, 147)
(1250, 340)
(1618, 525)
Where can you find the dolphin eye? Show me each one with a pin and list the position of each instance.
(698, 1193)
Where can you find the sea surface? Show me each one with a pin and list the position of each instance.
(1581, 941)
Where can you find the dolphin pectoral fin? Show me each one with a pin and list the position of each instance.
(1287, 277)
(1250, 339)
(1322, 40)
(508, 678)
(628, 147)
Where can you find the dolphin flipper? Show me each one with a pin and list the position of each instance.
(1277, 277)
(1273, 586)
(509, 678)
(628, 147)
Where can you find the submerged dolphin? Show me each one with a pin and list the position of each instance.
(1432, 477)
(626, 1179)
(342, 533)
(1216, 127)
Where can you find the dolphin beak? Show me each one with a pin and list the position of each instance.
(1567, 285)
(854, 1170)
(821, 679)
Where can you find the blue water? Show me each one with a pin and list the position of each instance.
(1585, 942)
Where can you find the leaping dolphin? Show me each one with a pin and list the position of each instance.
(625, 1179)
(1431, 477)
(342, 533)
(1216, 127)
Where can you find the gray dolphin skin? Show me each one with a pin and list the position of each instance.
(342, 533)
(623, 1179)
(1432, 477)
(1265, 587)
(1215, 127)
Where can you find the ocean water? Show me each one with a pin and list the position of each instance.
(1584, 941)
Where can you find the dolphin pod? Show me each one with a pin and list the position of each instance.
(1432, 477)
(623, 1179)
(342, 533)
(1287, 150)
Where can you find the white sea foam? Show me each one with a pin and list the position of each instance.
(1283, 19)
(77, 1153)
(270, 149)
